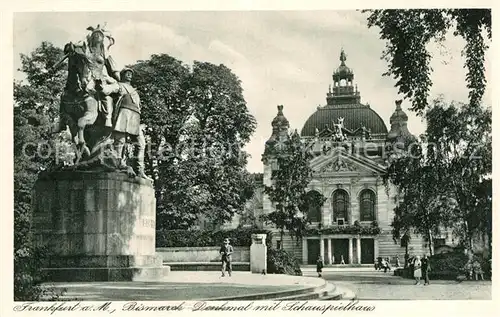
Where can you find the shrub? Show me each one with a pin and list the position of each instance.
(487, 267)
(448, 263)
(28, 276)
(282, 262)
(206, 238)
(448, 266)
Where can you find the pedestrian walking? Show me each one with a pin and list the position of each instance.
(469, 270)
(426, 268)
(225, 251)
(319, 265)
(478, 270)
(398, 264)
(417, 270)
(342, 259)
(333, 259)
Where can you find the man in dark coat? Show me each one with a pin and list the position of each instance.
(319, 265)
(225, 251)
(425, 269)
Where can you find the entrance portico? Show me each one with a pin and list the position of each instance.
(354, 249)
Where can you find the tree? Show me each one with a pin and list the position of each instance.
(161, 83)
(408, 32)
(460, 150)
(484, 197)
(187, 183)
(419, 207)
(36, 104)
(199, 124)
(444, 179)
(288, 189)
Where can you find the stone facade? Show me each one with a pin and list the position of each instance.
(351, 147)
(363, 176)
(96, 226)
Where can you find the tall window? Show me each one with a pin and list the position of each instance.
(312, 208)
(367, 205)
(340, 201)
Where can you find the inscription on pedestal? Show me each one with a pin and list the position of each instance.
(95, 221)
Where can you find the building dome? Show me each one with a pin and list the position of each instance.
(343, 72)
(355, 117)
(343, 100)
(280, 120)
(399, 128)
(398, 115)
(280, 126)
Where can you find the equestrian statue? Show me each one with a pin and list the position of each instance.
(100, 107)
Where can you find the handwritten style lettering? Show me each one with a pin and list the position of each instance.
(303, 306)
(63, 307)
(204, 306)
(135, 306)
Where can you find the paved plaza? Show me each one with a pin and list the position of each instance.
(365, 283)
(159, 291)
(369, 284)
(188, 285)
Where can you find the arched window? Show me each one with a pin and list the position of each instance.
(340, 202)
(367, 205)
(312, 207)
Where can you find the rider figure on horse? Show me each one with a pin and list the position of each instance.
(96, 83)
(87, 105)
(102, 82)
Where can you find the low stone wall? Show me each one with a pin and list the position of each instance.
(201, 254)
(207, 266)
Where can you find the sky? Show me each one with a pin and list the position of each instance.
(281, 57)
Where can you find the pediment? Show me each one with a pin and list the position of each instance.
(344, 163)
(338, 165)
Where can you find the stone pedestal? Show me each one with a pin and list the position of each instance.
(97, 226)
(304, 250)
(258, 254)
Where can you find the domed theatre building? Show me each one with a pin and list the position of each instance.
(351, 145)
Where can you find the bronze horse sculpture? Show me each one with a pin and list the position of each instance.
(86, 108)
(84, 104)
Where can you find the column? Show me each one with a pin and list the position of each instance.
(333, 252)
(350, 250)
(304, 250)
(322, 248)
(375, 249)
(330, 251)
(358, 249)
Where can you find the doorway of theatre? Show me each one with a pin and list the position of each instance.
(367, 251)
(340, 249)
(312, 250)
